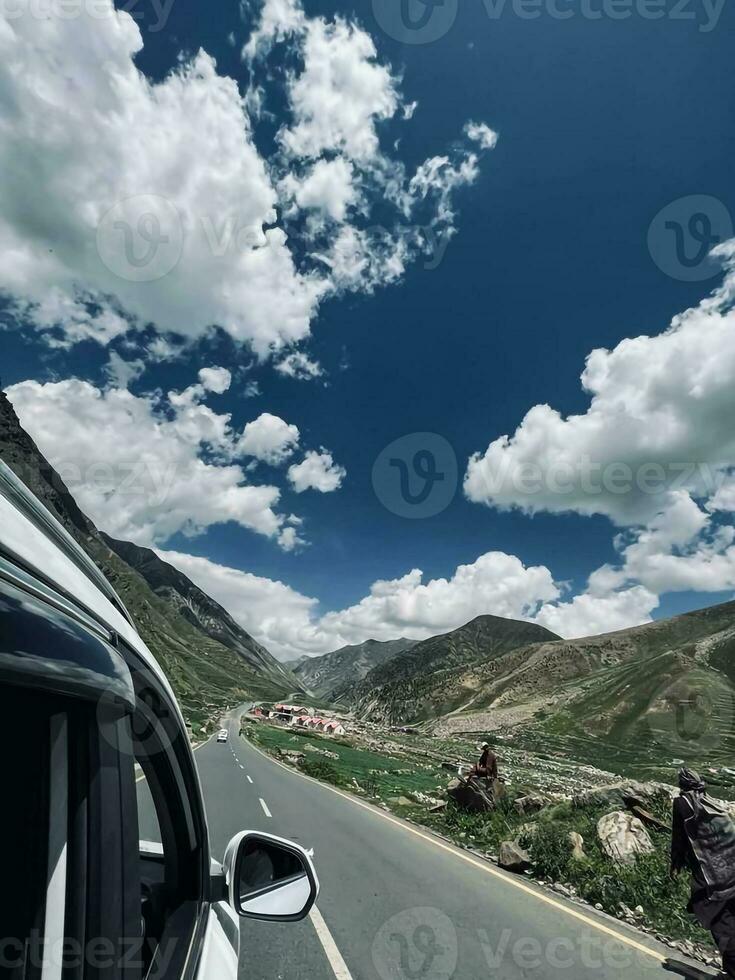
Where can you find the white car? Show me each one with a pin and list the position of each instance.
(222, 735)
(106, 730)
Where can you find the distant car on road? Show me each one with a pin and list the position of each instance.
(106, 753)
(222, 735)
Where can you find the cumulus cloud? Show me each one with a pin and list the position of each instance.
(134, 220)
(658, 421)
(654, 452)
(215, 379)
(136, 464)
(317, 471)
(269, 438)
(289, 623)
(588, 615)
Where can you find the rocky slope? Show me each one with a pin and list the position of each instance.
(210, 661)
(331, 675)
(434, 677)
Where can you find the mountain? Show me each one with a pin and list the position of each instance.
(329, 675)
(655, 693)
(429, 679)
(200, 609)
(210, 661)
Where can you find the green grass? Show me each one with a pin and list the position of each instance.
(381, 776)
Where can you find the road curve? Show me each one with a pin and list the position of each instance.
(396, 902)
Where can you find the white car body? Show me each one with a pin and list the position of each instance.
(43, 568)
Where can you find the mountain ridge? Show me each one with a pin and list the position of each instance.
(331, 674)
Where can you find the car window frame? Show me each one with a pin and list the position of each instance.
(170, 770)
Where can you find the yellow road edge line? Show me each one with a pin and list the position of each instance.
(475, 862)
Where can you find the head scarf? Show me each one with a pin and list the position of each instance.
(690, 782)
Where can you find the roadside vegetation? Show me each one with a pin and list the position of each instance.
(640, 893)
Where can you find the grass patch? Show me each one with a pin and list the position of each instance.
(382, 777)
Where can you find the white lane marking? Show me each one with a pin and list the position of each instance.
(248, 778)
(475, 862)
(339, 967)
(266, 811)
(241, 765)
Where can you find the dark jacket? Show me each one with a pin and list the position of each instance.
(703, 840)
(488, 765)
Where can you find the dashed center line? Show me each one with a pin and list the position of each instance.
(266, 811)
(248, 778)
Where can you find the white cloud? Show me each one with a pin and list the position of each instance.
(300, 366)
(269, 438)
(587, 615)
(482, 134)
(122, 372)
(135, 464)
(135, 220)
(327, 187)
(215, 379)
(340, 96)
(654, 452)
(317, 471)
(251, 390)
(269, 610)
(288, 624)
(659, 421)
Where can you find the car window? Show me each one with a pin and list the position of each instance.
(26, 762)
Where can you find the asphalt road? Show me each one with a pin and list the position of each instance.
(398, 904)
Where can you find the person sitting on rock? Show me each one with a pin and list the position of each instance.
(703, 840)
(488, 764)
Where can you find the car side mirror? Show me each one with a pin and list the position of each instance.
(268, 877)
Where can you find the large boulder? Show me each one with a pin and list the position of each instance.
(623, 794)
(471, 794)
(623, 837)
(513, 857)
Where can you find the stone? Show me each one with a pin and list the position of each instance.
(470, 795)
(623, 794)
(513, 857)
(623, 837)
(531, 804)
(577, 842)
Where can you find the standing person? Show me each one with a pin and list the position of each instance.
(488, 764)
(703, 839)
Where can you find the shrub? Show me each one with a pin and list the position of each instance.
(323, 769)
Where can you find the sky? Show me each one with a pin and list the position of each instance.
(375, 318)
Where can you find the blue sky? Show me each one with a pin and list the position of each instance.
(544, 248)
